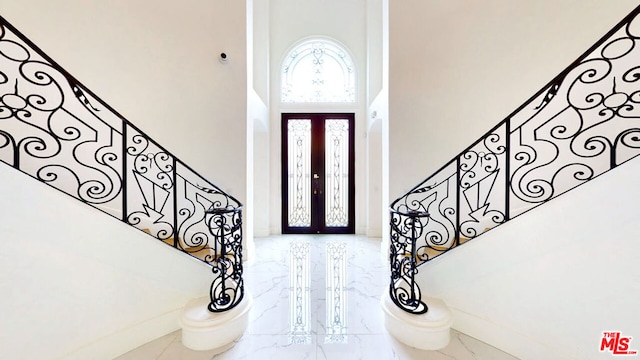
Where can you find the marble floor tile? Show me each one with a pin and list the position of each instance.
(154, 349)
(272, 347)
(317, 297)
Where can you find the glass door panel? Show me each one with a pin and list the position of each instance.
(299, 172)
(336, 172)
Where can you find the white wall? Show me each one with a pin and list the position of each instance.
(546, 284)
(377, 102)
(374, 180)
(79, 284)
(259, 100)
(156, 62)
(459, 67)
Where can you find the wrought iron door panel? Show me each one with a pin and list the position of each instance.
(317, 173)
(336, 172)
(299, 172)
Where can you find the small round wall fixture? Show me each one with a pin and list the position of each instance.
(224, 58)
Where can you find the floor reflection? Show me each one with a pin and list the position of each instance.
(299, 297)
(300, 293)
(336, 299)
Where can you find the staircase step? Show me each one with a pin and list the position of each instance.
(428, 331)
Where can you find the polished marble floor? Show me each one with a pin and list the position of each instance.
(317, 297)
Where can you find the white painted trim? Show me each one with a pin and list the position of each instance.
(127, 339)
(510, 340)
(204, 330)
(428, 331)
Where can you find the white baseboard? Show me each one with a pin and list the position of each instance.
(261, 232)
(123, 341)
(375, 232)
(503, 338)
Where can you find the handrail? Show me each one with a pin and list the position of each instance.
(583, 123)
(57, 131)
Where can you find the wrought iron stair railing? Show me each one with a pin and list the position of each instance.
(583, 123)
(57, 131)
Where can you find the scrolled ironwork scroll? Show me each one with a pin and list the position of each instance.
(406, 229)
(47, 132)
(227, 289)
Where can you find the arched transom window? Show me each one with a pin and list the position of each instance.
(318, 71)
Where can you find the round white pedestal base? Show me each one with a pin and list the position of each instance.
(429, 331)
(205, 330)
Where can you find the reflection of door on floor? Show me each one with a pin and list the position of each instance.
(318, 173)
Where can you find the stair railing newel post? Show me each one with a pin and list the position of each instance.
(414, 270)
(507, 164)
(227, 288)
(123, 178)
(406, 228)
(176, 229)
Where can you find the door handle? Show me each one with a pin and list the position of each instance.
(316, 185)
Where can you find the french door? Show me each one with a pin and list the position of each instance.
(318, 173)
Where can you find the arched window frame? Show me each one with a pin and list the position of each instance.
(318, 50)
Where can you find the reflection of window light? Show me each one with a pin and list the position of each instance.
(318, 70)
(299, 293)
(336, 303)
